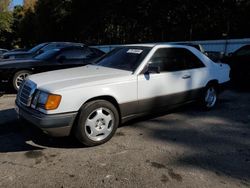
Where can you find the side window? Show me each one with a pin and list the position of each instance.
(73, 54)
(88, 53)
(50, 47)
(192, 62)
(175, 59)
(169, 59)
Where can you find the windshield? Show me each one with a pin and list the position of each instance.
(125, 58)
(36, 48)
(47, 55)
(54, 46)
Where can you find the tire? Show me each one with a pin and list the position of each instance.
(210, 97)
(97, 123)
(19, 77)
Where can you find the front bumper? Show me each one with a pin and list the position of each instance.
(57, 125)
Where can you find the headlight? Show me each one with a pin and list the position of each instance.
(45, 100)
(42, 99)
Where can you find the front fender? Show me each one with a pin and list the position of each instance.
(72, 100)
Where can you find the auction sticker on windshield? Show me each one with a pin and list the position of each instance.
(134, 51)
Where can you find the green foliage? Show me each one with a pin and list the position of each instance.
(4, 5)
(5, 17)
(5, 22)
(5, 28)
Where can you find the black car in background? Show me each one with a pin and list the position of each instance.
(40, 48)
(23, 54)
(215, 56)
(239, 61)
(194, 45)
(19, 50)
(2, 51)
(13, 72)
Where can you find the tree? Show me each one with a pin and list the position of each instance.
(29, 4)
(4, 5)
(18, 15)
(123, 21)
(5, 23)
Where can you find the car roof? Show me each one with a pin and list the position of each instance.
(70, 47)
(68, 43)
(243, 47)
(142, 45)
(185, 43)
(158, 44)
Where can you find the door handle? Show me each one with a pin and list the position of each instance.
(186, 76)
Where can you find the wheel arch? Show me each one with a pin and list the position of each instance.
(108, 98)
(213, 82)
(20, 69)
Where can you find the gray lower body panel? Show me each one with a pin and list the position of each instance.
(161, 103)
(55, 125)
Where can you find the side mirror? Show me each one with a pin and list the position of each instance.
(153, 69)
(61, 59)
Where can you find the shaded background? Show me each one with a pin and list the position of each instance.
(121, 21)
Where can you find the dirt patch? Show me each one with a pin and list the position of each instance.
(34, 154)
(174, 175)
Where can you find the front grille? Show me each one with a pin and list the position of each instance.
(25, 93)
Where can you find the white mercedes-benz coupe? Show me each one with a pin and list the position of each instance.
(90, 102)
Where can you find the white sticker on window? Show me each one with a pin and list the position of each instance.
(134, 51)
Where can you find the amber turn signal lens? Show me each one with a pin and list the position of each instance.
(53, 102)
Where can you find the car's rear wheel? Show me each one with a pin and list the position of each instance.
(210, 97)
(19, 77)
(97, 123)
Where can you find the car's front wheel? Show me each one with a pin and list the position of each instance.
(97, 123)
(19, 77)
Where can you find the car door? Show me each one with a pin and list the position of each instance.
(49, 61)
(167, 88)
(198, 73)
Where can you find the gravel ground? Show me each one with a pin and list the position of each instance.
(185, 148)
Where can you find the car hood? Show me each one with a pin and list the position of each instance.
(85, 76)
(17, 53)
(12, 63)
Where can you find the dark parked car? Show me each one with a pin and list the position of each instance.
(215, 56)
(2, 51)
(194, 45)
(24, 54)
(239, 61)
(13, 72)
(19, 50)
(40, 48)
